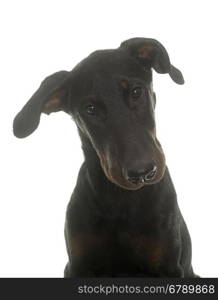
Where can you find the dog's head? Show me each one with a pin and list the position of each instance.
(110, 96)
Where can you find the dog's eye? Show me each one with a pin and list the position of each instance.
(90, 109)
(136, 92)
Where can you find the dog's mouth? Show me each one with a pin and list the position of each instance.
(136, 183)
(132, 181)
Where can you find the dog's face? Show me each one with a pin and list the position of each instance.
(110, 96)
(114, 108)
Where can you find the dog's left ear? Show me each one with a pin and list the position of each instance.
(152, 54)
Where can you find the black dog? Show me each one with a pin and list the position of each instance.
(123, 218)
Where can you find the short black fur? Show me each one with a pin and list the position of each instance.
(123, 218)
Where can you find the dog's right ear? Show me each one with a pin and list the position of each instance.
(51, 96)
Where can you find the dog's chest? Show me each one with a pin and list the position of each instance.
(128, 249)
(128, 235)
(143, 249)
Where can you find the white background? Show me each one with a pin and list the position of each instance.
(38, 173)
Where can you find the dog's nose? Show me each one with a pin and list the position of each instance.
(141, 176)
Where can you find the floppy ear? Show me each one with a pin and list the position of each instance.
(51, 96)
(152, 54)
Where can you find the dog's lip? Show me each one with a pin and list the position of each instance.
(140, 185)
(122, 182)
(133, 187)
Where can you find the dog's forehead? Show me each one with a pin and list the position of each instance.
(113, 61)
(103, 69)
